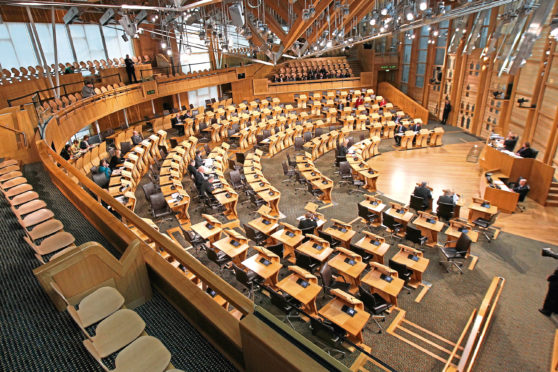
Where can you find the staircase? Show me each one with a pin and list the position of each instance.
(552, 198)
(355, 66)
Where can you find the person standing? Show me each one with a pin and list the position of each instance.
(446, 112)
(551, 300)
(130, 69)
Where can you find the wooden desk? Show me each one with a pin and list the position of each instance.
(293, 285)
(389, 290)
(179, 206)
(350, 266)
(457, 228)
(499, 194)
(325, 185)
(375, 245)
(228, 200)
(429, 226)
(417, 267)
(476, 210)
(321, 255)
(202, 229)
(402, 218)
(269, 273)
(341, 232)
(289, 242)
(264, 225)
(354, 324)
(237, 254)
(271, 196)
(375, 206)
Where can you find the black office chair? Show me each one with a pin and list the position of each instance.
(315, 192)
(159, 206)
(247, 279)
(306, 262)
(254, 235)
(277, 249)
(307, 136)
(457, 253)
(100, 178)
(402, 272)
(286, 304)
(255, 200)
(331, 335)
(391, 225)
(366, 256)
(329, 282)
(445, 211)
(288, 172)
(125, 147)
(368, 216)
(292, 163)
(375, 304)
(484, 226)
(148, 190)
(417, 203)
(236, 180)
(219, 258)
(306, 231)
(414, 235)
(332, 242)
(195, 240)
(299, 144)
(203, 136)
(345, 173)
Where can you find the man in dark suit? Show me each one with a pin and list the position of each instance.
(399, 132)
(446, 112)
(343, 149)
(340, 106)
(192, 168)
(136, 138)
(526, 151)
(199, 178)
(509, 143)
(308, 221)
(207, 187)
(116, 159)
(446, 198)
(551, 301)
(198, 159)
(415, 127)
(522, 188)
(424, 192)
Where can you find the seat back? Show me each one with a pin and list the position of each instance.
(250, 232)
(149, 189)
(158, 203)
(361, 252)
(326, 275)
(212, 256)
(285, 168)
(345, 170)
(402, 271)
(325, 236)
(364, 212)
(367, 298)
(463, 244)
(445, 210)
(276, 248)
(304, 261)
(388, 220)
(125, 147)
(236, 180)
(416, 203)
(298, 144)
(307, 230)
(279, 301)
(241, 276)
(413, 234)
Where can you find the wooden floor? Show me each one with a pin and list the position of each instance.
(446, 167)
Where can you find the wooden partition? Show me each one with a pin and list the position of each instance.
(17, 131)
(96, 268)
(539, 175)
(400, 99)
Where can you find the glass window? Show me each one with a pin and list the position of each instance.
(419, 83)
(80, 42)
(94, 41)
(405, 74)
(17, 48)
(198, 97)
(407, 54)
(422, 55)
(421, 68)
(116, 46)
(47, 42)
(440, 55)
(198, 59)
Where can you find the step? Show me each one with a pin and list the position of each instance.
(551, 203)
(552, 196)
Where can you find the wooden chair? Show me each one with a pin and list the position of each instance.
(10, 175)
(30, 207)
(146, 354)
(20, 189)
(56, 242)
(13, 182)
(96, 307)
(23, 198)
(36, 218)
(115, 332)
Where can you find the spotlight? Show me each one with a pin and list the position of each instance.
(329, 44)
(423, 5)
(496, 93)
(435, 33)
(373, 22)
(169, 52)
(382, 29)
(554, 27)
(384, 11)
(124, 37)
(522, 100)
(410, 16)
(163, 45)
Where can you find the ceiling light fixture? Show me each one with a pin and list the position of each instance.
(423, 5)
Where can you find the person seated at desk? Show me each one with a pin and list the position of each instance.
(423, 192)
(198, 159)
(192, 168)
(206, 187)
(104, 168)
(447, 197)
(399, 132)
(309, 221)
(415, 127)
(66, 152)
(522, 188)
(343, 149)
(383, 102)
(88, 90)
(359, 101)
(526, 151)
(74, 149)
(199, 177)
(510, 142)
(116, 159)
(136, 137)
(340, 106)
(84, 144)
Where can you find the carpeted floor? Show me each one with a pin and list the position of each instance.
(34, 336)
(520, 338)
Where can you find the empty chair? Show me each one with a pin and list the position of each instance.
(256, 201)
(30, 207)
(9, 168)
(306, 262)
(402, 272)
(195, 240)
(484, 226)
(286, 304)
(146, 354)
(95, 307)
(19, 189)
(414, 235)
(332, 336)
(159, 206)
(254, 235)
(287, 172)
(10, 175)
(115, 332)
(8, 163)
(56, 242)
(391, 225)
(365, 213)
(23, 198)
(219, 258)
(276, 248)
(148, 190)
(375, 304)
(457, 254)
(328, 280)
(366, 256)
(44, 229)
(36, 218)
(246, 278)
(332, 242)
(299, 144)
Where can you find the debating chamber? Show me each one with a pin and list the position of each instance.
(279, 185)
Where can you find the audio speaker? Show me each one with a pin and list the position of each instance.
(367, 46)
(242, 76)
(237, 18)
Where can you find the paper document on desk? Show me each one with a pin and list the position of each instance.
(175, 195)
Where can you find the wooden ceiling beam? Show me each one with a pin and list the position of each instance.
(280, 9)
(300, 26)
(366, 7)
(274, 26)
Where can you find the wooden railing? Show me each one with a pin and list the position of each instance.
(403, 101)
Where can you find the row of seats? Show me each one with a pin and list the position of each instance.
(111, 329)
(43, 233)
(30, 73)
(57, 104)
